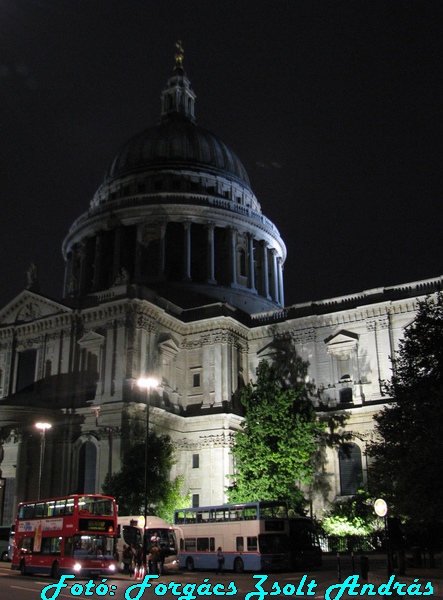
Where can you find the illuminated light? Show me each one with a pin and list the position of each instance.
(141, 522)
(147, 382)
(380, 507)
(43, 426)
(112, 567)
(110, 529)
(77, 567)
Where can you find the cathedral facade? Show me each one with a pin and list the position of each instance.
(174, 272)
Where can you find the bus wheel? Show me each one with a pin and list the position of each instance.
(4, 556)
(189, 564)
(239, 567)
(55, 570)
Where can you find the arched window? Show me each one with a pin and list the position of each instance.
(87, 463)
(351, 472)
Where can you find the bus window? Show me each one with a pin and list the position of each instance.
(252, 544)
(239, 544)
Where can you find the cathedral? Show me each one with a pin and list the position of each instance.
(174, 272)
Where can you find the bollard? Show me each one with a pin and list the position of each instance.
(364, 567)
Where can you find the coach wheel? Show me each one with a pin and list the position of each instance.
(189, 564)
(55, 571)
(4, 556)
(239, 567)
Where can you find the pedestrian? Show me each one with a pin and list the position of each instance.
(220, 561)
(131, 560)
(127, 556)
(153, 560)
(162, 551)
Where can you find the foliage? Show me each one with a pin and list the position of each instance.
(354, 516)
(407, 465)
(278, 437)
(128, 485)
(174, 500)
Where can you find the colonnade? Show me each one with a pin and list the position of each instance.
(186, 251)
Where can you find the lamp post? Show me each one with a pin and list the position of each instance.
(42, 427)
(381, 510)
(146, 383)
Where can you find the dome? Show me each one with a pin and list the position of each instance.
(176, 218)
(179, 144)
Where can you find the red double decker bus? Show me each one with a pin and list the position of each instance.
(69, 535)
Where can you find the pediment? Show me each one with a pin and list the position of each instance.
(29, 306)
(342, 337)
(168, 344)
(91, 339)
(341, 342)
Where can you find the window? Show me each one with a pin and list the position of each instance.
(205, 544)
(345, 394)
(351, 472)
(195, 461)
(26, 368)
(239, 544)
(252, 544)
(196, 380)
(195, 500)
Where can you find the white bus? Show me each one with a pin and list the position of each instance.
(253, 536)
(6, 536)
(130, 531)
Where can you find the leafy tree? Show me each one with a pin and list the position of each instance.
(351, 518)
(128, 485)
(278, 437)
(407, 465)
(174, 500)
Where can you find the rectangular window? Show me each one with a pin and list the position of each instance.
(196, 380)
(202, 544)
(190, 544)
(195, 461)
(252, 544)
(27, 360)
(195, 500)
(239, 544)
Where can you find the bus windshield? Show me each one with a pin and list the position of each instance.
(90, 547)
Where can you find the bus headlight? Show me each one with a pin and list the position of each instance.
(77, 567)
(112, 567)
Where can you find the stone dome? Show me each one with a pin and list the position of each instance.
(176, 216)
(177, 143)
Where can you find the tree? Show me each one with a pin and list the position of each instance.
(407, 465)
(352, 518)
(278, 437)
(128, 485)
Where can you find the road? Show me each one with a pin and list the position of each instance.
(189, 586)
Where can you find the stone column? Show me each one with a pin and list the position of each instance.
(274, 275)
(187, 251)
(211, 253)
(265, 269)
(233, 255)
(251, 261)
(162, 249)
(280, 281)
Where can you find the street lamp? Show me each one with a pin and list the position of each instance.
(146, 383)
(42, 427)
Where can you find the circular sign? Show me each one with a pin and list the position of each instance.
(380, 507)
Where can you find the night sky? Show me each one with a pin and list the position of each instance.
(334, 108)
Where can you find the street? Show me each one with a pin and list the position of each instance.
(192, 586)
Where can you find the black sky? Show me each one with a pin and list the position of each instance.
(334, 108)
